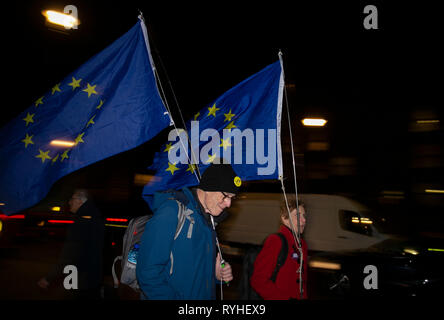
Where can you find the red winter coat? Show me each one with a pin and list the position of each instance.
(287, 280)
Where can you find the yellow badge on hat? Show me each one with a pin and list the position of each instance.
(237, 181)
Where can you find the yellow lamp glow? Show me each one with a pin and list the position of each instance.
(314, 122)
(60, 19)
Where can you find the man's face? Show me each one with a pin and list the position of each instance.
(215, 202)
(75, 203)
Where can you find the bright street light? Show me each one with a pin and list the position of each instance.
(314, 122)
(61, 19)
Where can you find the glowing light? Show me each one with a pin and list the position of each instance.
(60, 19)
(361, 220)
(325, 265)
(62, 143)
(427, 121)
(434, 191)
(411, 251)
(116, 220)
(366, 221)
(142, 179)
(56, 209)
(436, 250)
(355, 220)
(314, 122)
(17, 216)
(61, 221)
(115, 225)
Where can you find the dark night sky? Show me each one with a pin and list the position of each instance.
(208, 49)
(367, 82)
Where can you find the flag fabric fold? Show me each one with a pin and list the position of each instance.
(108, 105)
(242, 127)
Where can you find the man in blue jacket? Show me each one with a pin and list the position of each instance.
(186, 267)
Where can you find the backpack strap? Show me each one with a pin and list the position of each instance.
(282, 257)
(183, 213)
(113, 271)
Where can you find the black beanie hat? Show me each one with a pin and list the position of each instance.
(220, 177)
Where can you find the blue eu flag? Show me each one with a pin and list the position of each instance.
(242, 127)
(109, 105)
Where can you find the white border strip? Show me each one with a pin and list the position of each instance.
(279, 117)
(145, 35)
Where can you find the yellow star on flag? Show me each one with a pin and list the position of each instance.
(100, 104)
(79, 138)
(191, 168)
(75, 83)
(172, 167)
(211, 158)
(225, 143)
(90, 90)
(230, 126)
(168, 147)
(64, 155)
(212, 111)
(29, 118)
(39, 101)
(56, 88)
(43, 155)
(91, 121)
(28, 140)
(228, 116)
(55, 158)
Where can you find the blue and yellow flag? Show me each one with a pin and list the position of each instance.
(242, 127)
(109, 105)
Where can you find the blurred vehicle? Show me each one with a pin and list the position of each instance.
(334, 222)
(404, 268)
(344, 237)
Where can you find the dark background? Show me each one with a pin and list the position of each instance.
(371, 85)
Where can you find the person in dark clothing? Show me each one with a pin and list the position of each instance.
(83, 248)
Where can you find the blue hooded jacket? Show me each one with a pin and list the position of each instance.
(193, 267)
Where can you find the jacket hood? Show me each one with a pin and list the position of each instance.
(184, 196)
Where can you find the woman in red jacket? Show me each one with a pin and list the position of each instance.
(287, 284)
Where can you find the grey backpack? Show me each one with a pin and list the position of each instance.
(131, 243)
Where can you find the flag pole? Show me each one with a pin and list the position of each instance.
(197, 171)
(297, 235)
(164, 99)
(292, 150)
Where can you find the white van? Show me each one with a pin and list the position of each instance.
(334, 223)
